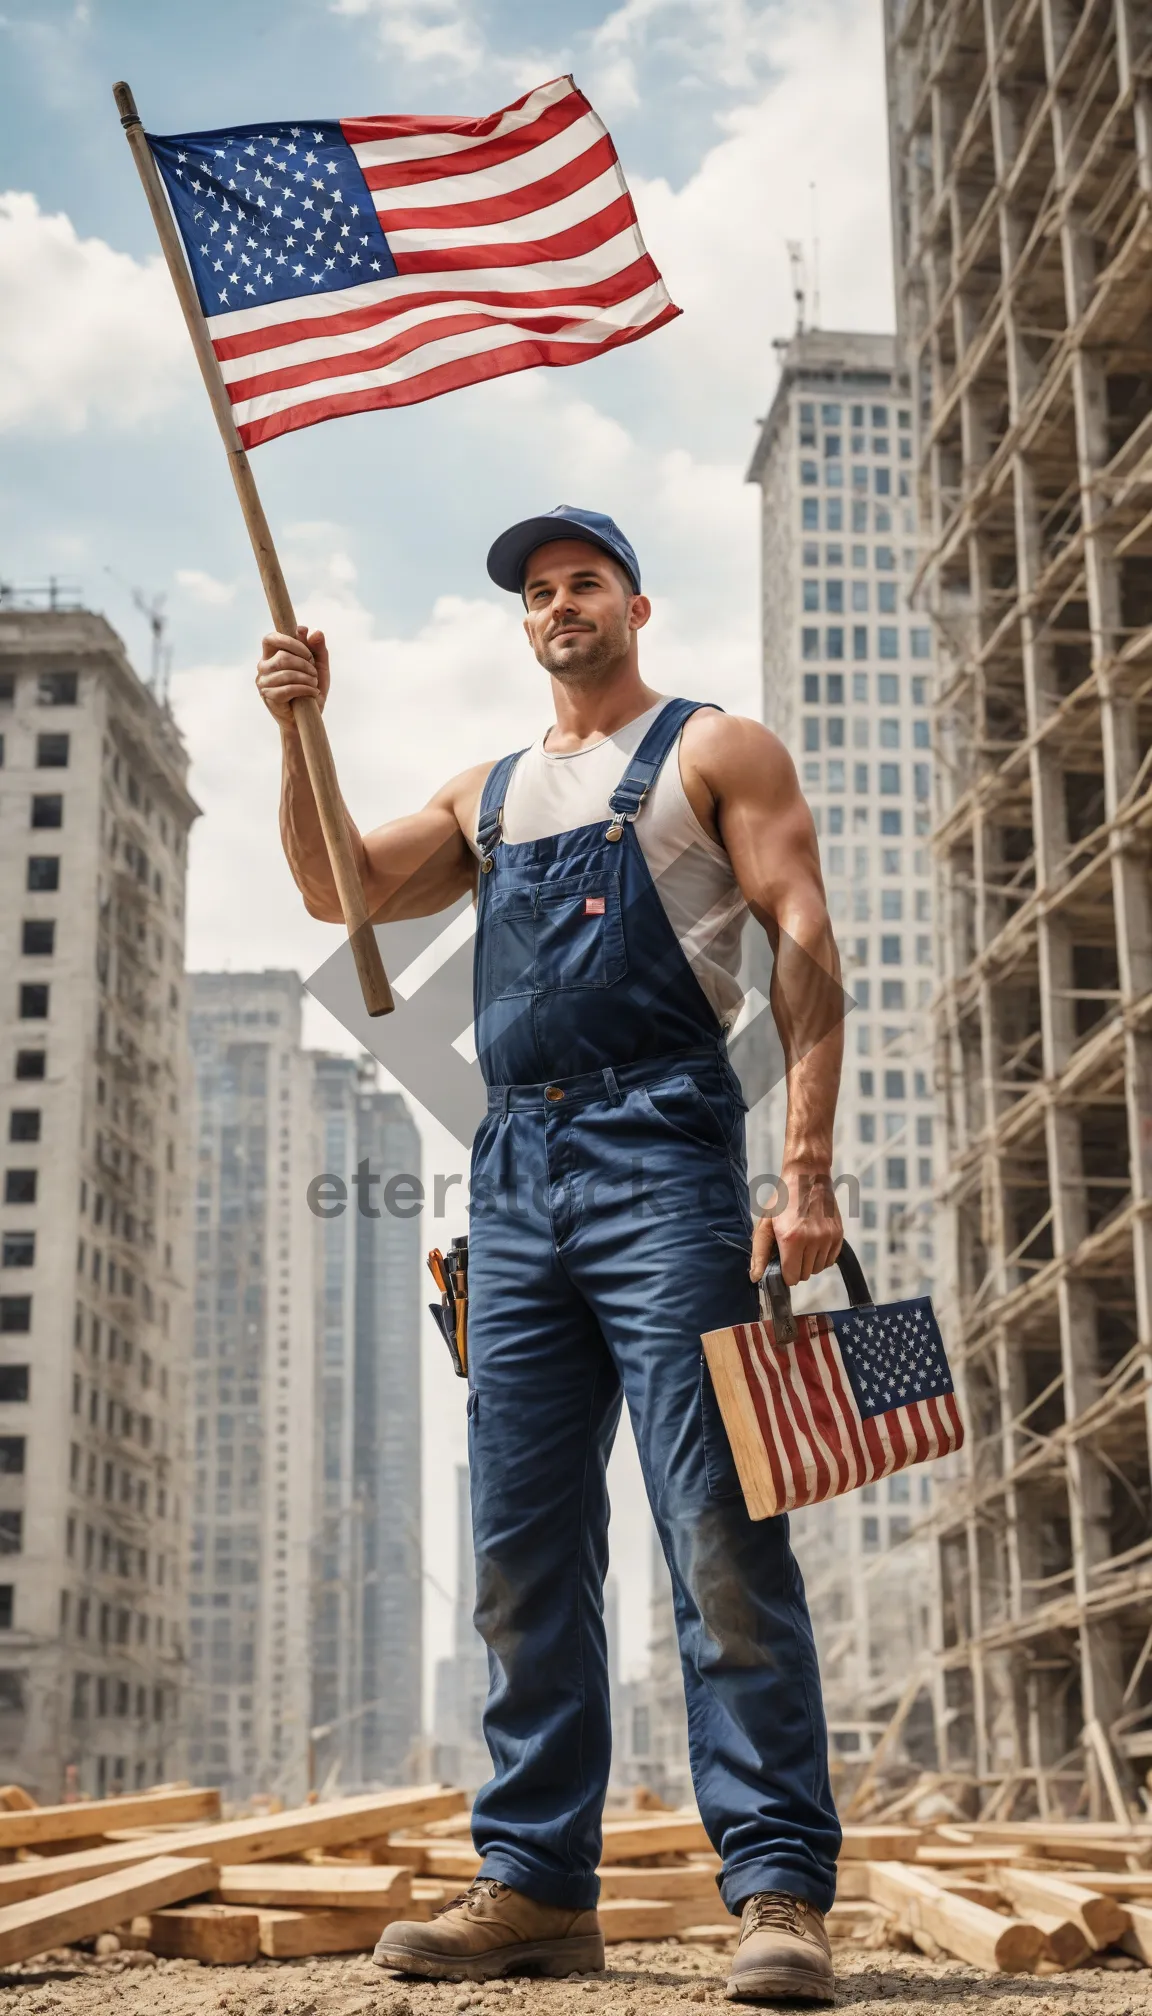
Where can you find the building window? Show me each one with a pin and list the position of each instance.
(52, 752)
(830, 414)
(891, 824)
(43, 871)
(807, 413)
(33, 1001)
(30, 1063)
(867, 1084)
(48, 809)
(859, 476)
(7, 1606)
(863, 994)
(24, 1123)
(924, 951)
(20, 1186)
(38, 938)
(866, 1127)
(12, 1455)
(921, 781)
(883, 480)
(921, 738)
(896, 1172)
(860, 779)
(809, 474)
(811, 553)
(921, 643)
(893, 1084)
(859, 516)
(835, 689)
(919, 690)
(809, 514)
(834, 510)
(891, 951)
(860, 597)
(18, 1249)
(923, 1129)
(810, 643)
(836, 731)
(835, 819)
(886, 559)
(11, 1532)
(834, 597)
(886, 598)
(859, 641)
(834, 646)
(811, 776)
(889, 779)
(57, 689)
(892, 994)
(811, 689)
(834, 475)
(889, 732)
(810, 594)
(15, 1314)
(888, 640)
(811, 731)
(892, 905)
(870, 1533)
(835, 774)
(13, 1382)
(835, 556)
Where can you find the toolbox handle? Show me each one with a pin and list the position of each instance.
(774, 1289)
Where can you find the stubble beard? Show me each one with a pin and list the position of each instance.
(590, 663)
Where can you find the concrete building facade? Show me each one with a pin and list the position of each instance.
(94, 1262)
(1021, 146)
(847, 684)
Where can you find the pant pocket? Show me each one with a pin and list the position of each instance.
(720, 1471)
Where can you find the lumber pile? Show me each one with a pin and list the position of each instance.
(166, 1872)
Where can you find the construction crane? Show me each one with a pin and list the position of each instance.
(153, 614)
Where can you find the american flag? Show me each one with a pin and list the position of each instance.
(859, 1394)
(353, 263)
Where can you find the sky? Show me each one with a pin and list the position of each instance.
(740, 124)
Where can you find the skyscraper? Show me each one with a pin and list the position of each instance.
(94, 818)
(251, 1614)
(306, 1568)
(848, 687)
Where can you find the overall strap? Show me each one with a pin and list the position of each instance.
(492, 806)
(645, 765)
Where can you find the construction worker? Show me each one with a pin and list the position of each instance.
(613, 864)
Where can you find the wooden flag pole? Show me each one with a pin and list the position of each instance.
(309, 720)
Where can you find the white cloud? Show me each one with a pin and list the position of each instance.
(442, 32)
(205, 588)
(87, 333)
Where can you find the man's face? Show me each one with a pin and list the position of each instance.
(581, 610)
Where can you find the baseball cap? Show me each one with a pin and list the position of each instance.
(509, 554)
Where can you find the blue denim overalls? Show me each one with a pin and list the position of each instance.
(610, 1226)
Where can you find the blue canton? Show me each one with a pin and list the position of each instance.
(271, 212)
(893, 1355)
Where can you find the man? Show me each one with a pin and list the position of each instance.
(613, 863)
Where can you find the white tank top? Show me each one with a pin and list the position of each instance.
(693, 875)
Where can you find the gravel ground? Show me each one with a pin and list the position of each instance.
(650, 1980)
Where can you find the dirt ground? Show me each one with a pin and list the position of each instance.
(651, 1980)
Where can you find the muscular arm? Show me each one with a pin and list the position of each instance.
(410, 867)
(743, 786)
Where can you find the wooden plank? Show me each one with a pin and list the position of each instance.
(330, 1824)
(1066, 1942)
(86, 1817)
(966, 1858)
(97, 1906)
(435, 1858)
(969, 1931)
(301, 1885)
(658, 1834)
(624, 1918)
(36, 1878)
(855, 1920)
(880, 1844)
(1101, 1919)
(852, 1881)
(14, 1799)
(669, 1886)
(710, 1935)
(213, 1933)
(290, 1935)
(1124, 1883)
(1137, 1940)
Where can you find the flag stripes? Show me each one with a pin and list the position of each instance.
(515, 243)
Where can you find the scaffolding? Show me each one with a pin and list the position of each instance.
(1021, 137)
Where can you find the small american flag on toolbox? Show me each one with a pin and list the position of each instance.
(816, 1405)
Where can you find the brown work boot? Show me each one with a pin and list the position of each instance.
(493, 1930)
(783, 1953)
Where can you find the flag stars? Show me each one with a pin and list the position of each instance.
(311, 159)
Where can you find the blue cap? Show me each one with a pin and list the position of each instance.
(509, 556)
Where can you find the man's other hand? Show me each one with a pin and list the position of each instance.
(804, 1228)
(292, 668)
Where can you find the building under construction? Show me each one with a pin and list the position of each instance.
(1022, 177)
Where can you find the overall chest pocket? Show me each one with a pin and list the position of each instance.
(579, 932)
